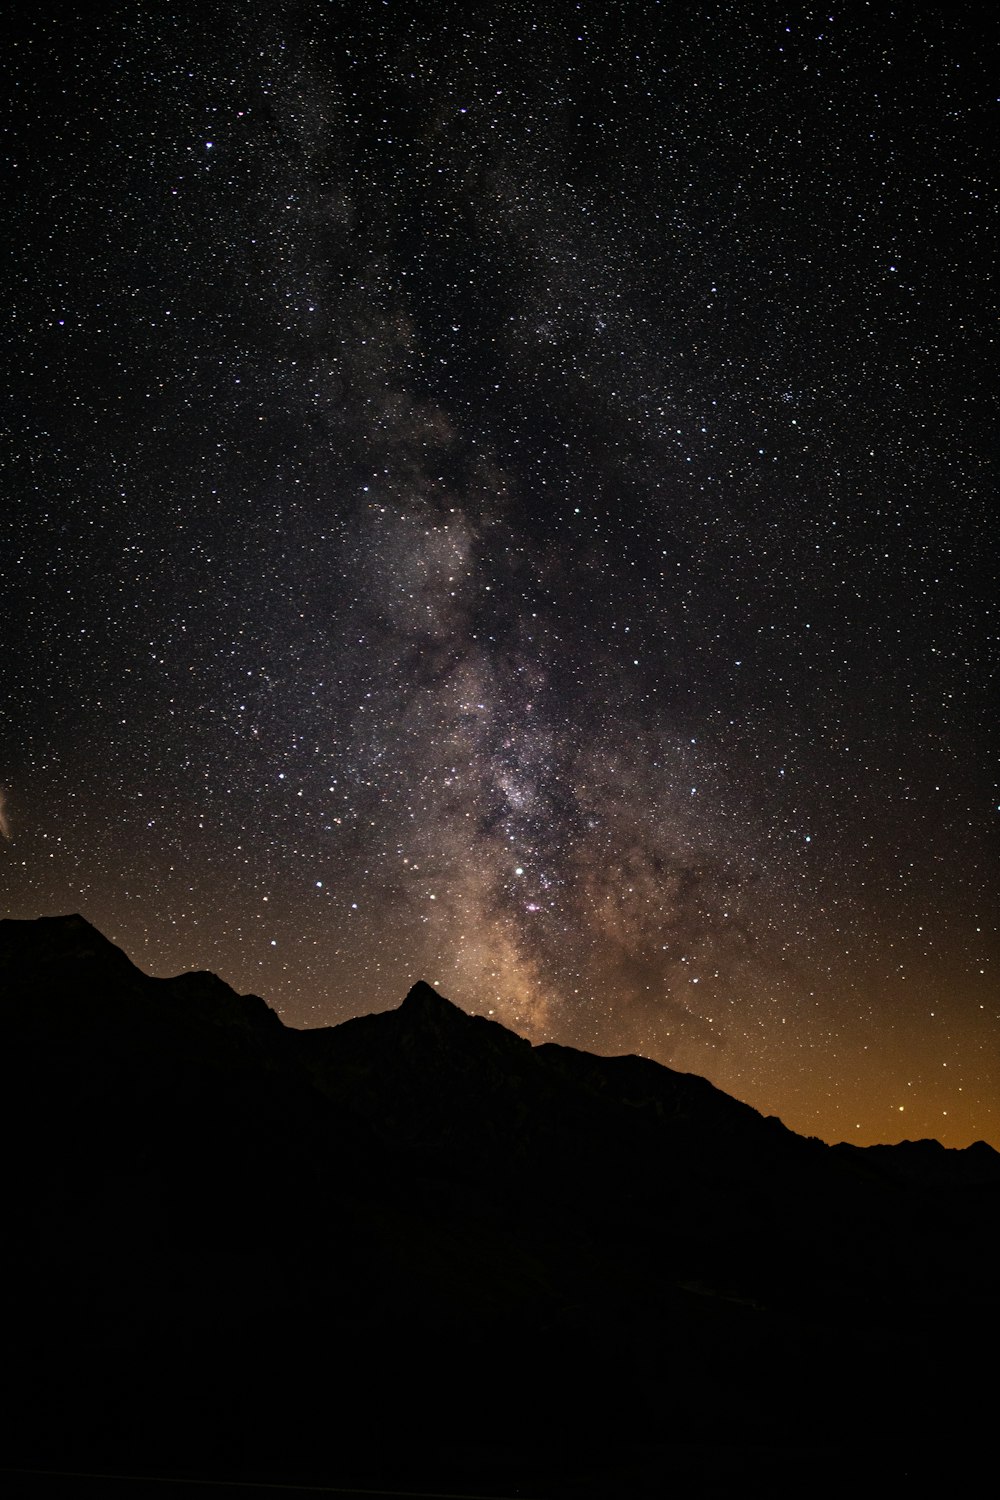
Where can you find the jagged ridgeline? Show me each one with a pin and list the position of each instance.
(231, 1243)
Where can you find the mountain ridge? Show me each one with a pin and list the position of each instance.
(199, 1195)
(43, 945)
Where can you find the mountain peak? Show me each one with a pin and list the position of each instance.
(45, 943)
(422, 999)
(61, 928)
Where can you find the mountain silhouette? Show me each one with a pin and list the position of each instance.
(414, 1237)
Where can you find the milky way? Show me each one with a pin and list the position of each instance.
(502, 496)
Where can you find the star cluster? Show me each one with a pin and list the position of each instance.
(502, 495)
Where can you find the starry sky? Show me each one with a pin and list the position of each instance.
(502, 494)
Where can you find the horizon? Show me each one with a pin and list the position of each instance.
(419, 982)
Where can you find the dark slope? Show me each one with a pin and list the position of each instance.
(231, 1242)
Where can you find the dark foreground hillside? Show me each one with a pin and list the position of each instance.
(415, 1251)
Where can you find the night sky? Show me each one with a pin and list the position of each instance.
(502, 495)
